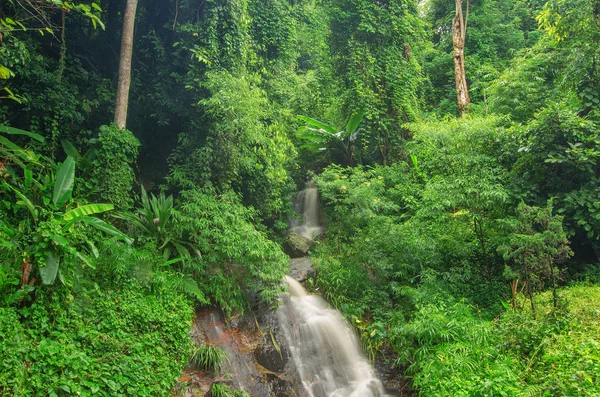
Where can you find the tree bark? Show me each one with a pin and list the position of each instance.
(459, 32)
(63, 48)
(125, 64)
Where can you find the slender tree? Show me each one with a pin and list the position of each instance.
(125, 64)
(459, 32)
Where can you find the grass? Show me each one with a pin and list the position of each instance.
(208, 357)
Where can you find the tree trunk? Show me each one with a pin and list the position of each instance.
(459, 31)
(63, 48)
(125, 65)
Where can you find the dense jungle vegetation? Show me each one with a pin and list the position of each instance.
(462, 239)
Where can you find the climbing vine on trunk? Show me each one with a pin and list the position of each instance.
(459, 32)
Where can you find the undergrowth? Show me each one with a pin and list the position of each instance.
(125, 340)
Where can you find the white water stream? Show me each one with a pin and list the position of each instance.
(307, 205)
(325, 350)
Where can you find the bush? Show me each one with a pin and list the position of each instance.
(235, 256)
(126, 341)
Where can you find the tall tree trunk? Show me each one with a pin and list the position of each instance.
(459, 32)
(63, 48)
(125, 64)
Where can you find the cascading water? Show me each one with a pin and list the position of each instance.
(325, 351)
(307, 205)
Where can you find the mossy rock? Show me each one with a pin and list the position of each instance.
(297, 245)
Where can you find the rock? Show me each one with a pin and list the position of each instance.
(268, 356)
(301, 269)
(395, 383)
(297, 245)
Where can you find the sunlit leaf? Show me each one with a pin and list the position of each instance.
(88, 209)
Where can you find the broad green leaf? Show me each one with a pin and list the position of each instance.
(88, 209)
(15, 131)
(415, 161)
(49, 271)
(106, 228)
(354, 121)
(59, 240)
(18, 150)
(63, 185)
(318, 124)
(28, 178)
(85, 259)
(308, 136)
(70, 150)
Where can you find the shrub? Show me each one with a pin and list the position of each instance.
(113, 173)
(103, 341)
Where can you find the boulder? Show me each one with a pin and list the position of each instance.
(297, 245)
(301, 269)
(270, 358)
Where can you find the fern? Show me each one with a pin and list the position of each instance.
(187, 285)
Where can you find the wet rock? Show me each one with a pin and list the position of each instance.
(281, 387)
(297, 245)
(394, 382)
(269, 357)
(301, 269)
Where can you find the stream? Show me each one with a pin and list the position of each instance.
(325, 350)
(304, 348)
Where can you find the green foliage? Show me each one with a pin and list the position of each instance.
(452, 352)
(558, 157)
(411, 251)
(245, 150)
(536, 248)
(128, 341)
(273, 29)
(235, 256)
(112, 172)
(223, 390)
(318, 136)
(51, 230)
(208, 357)
(496, 31)
(371, 47)
(154, 220)
(528, 84)
(413, 257)
(562, 341)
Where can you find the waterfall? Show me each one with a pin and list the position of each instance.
(325, 350)
(307, 205)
